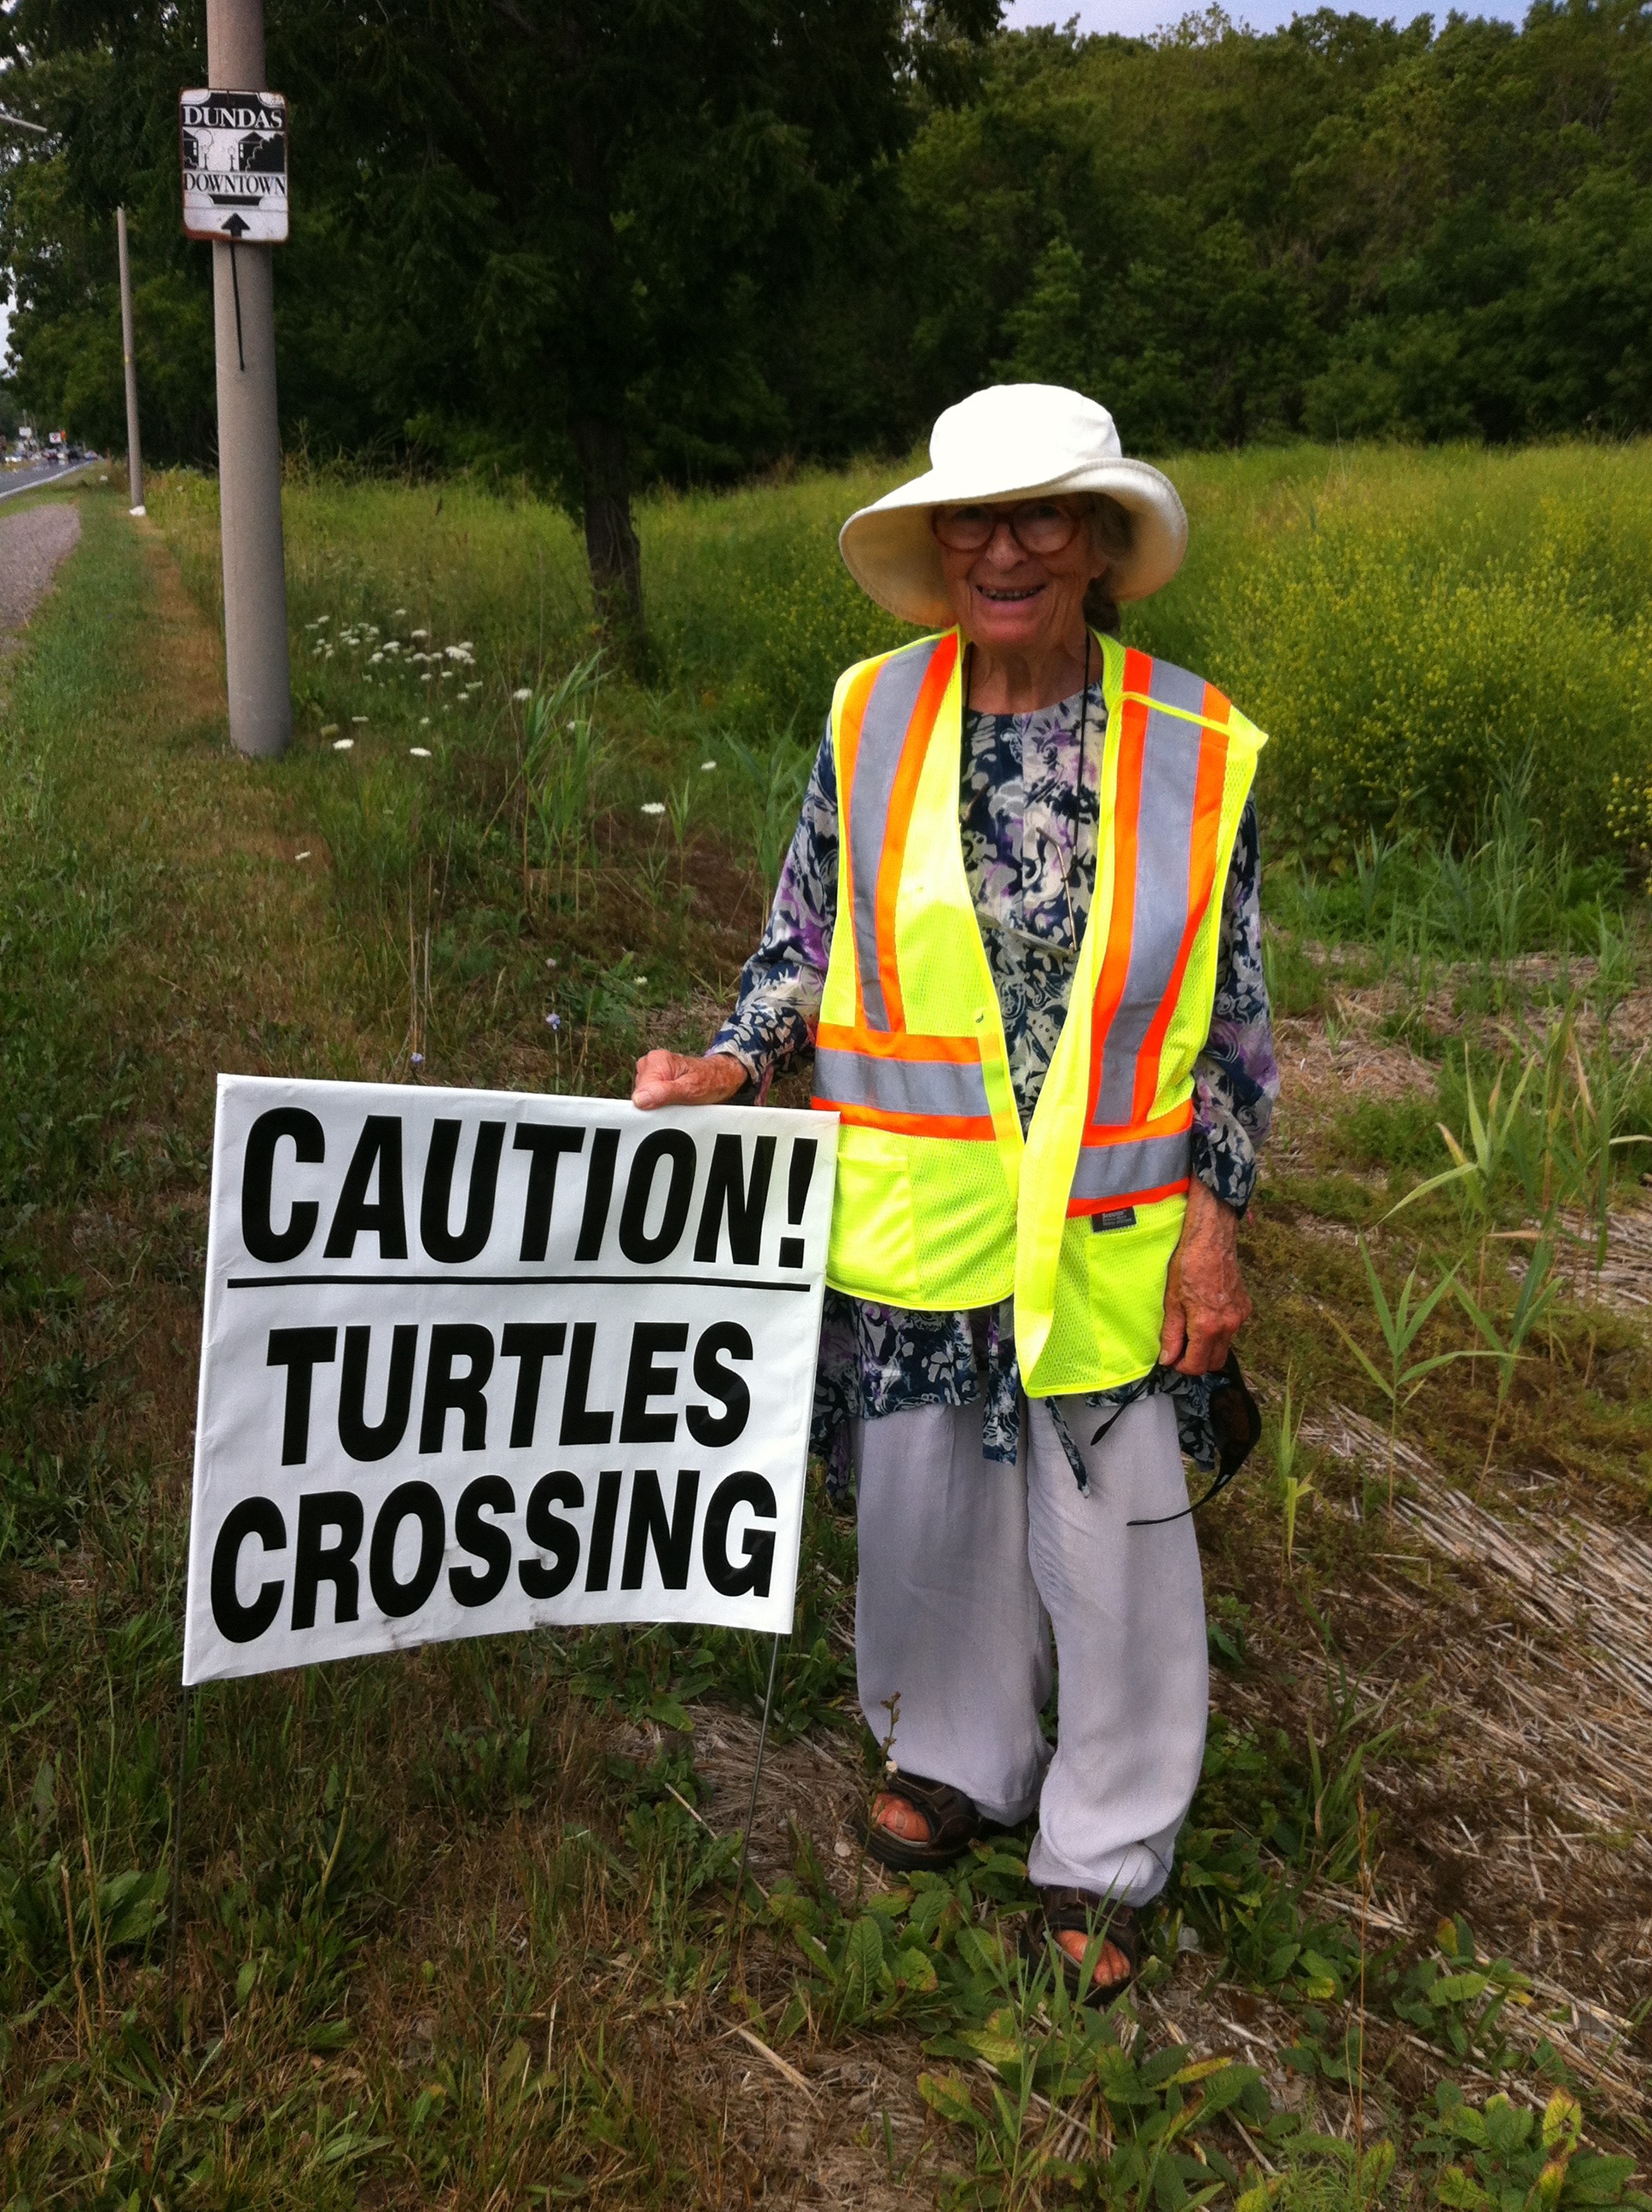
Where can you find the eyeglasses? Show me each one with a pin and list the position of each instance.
(1038, 526)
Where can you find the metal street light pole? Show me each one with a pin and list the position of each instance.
(134, 448)
(249, 441)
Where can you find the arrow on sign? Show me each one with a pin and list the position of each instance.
(238, 225)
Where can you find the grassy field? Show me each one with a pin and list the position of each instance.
(455, 1925)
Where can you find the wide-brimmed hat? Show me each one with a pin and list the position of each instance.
(1012, 442)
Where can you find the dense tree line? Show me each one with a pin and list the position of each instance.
(606, 241)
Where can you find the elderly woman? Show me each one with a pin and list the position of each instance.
(1019, 926)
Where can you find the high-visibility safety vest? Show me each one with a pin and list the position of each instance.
(941, 1204)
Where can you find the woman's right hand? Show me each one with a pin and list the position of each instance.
(672, 1078)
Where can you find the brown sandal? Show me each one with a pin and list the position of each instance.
(1080, 1911)
(954, 1820)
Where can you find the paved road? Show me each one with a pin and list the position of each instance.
(13, 481)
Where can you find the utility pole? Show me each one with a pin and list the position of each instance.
(134, 448)
(249, 441)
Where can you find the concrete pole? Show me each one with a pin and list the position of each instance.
(134, 447)
(249, 443)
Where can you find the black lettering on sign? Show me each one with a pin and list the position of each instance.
(728, 1192)
(548, 1532)
(315, 1562)
(672, 1540)
(645, 1382)
(447, 1393)
(378, 1151)
(722, 1337)
(675, 1145)
(435, 1202)
(531, 1343)
(259, 1232)
(598, 1193)
(601, 1556)
(376, 1441)
(726, 1577)
(300, 1351)
(237, 1623)
(582, 1424)
(483, 1540)
(409, 1501)
(548, 1144)
(799, 1176)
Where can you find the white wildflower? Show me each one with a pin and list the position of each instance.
(358, 720)
(706, 767)
(418, 633)
(654, 807)
(304, 855)
(420, 752)
(342, 745)
(376, 659)
(524, 692)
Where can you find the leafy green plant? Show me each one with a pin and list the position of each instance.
(1502, 2157)
(1457, 1999)
(1537, 1293)
(1401, 1323)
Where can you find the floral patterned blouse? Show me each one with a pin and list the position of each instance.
(1029, 808)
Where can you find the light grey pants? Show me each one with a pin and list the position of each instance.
(966, 1567)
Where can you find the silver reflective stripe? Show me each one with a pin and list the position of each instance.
(1172, 686)
(1116, 1171)
(1164, 836)
(901, 1086)
(883, 730)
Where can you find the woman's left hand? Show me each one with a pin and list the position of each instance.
(1206, 1303)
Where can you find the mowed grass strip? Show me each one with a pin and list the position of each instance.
(395, 1874)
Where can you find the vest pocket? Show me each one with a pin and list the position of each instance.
(1127, 1268)
(874, 1245)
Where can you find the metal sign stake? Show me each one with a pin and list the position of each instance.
(177, 1857)
(756, 1776)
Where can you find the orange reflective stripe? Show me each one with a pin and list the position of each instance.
(904, 791)
(1209, 783)
(1115, 1202)
(1115, 961)
(1169, 1124)
(972, 1128)
(897, 1044)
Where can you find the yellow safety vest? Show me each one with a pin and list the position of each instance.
(941, 1204)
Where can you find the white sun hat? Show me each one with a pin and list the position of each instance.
(1012, 442)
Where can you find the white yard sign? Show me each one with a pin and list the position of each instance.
(472, 1362)
(234, 155)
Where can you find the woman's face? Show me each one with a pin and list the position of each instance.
(1008, 599)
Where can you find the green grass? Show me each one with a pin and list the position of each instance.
(448, 1936)
(1413, 628)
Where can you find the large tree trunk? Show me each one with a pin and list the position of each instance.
(611, 540)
